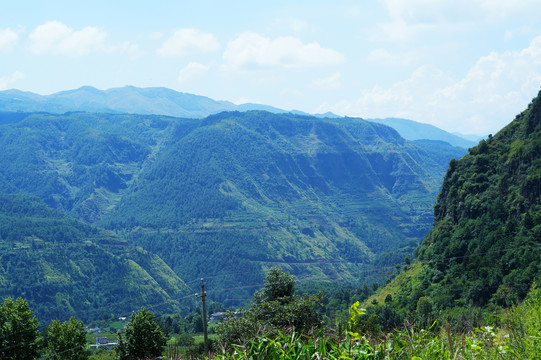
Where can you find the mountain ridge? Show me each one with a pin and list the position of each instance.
(164, 101)
(413, 130)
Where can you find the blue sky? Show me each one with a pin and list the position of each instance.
(466, 66)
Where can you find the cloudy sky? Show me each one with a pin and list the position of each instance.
(462, 65)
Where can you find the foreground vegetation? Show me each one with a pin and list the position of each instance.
(517, 338)
(280, 324)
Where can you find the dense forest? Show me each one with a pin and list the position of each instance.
(64, 267)
(484, 249)
(327, 198)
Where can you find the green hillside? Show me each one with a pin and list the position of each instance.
(78, 162)
(64, 267)
(324, 199)
(485, 246)
(231, 195)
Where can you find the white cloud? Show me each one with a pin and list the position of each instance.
(251, 50)
(383, 56)
(433, 11)
(295, 25)
(128, 48)
(54, 37)
(408, 19)
(186, 42)
(8, 39)
(192, 71)
(329, 83)
(492, 92)
(5, 82)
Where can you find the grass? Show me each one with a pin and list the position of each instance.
(199, 338)
(395, 285)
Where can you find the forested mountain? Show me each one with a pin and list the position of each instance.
(485, 247)
(64, 267)
(234, 193)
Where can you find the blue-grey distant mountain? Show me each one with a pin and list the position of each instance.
(412, 130)
(471, 137)
(163, 101)
(127, 99)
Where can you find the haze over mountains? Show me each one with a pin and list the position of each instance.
(163, 101)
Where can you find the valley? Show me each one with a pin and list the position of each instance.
(230, 195)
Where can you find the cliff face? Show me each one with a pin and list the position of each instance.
(486, 242)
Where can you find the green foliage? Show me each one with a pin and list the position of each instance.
(275, 309)
(66, 340)
(19, 331)
(279, 286)
(424, 311)
(143, 338)
(247, 190)
(484, 248)
(64, 267)
(524, 322)
(518, 339)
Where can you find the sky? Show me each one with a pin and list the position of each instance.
(465, 66)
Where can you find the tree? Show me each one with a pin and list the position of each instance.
(275, 308)
(66, 340)
(279, 286)
(424, 310)
(144, 338)
(407, 259)
(19, 331)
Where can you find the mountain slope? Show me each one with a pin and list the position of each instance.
(485, 245)
(81, 163)
(64, 267)
(324, 198)
(320, 198)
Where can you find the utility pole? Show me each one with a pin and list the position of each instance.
(202, 296)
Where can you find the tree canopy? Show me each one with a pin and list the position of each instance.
(275, 309)
(19, 331)
(143, 338)
(66, 340)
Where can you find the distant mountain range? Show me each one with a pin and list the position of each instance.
(128, 99)
(412, 130)
(163, 101)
